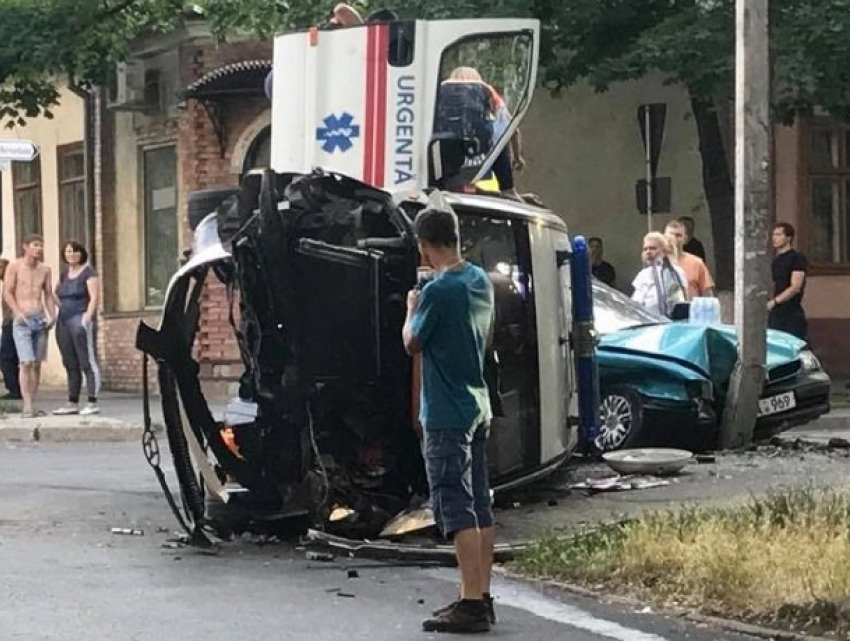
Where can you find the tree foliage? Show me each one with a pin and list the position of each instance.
(42, 40)
(690, 41)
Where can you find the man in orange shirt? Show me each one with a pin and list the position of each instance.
(700, 282)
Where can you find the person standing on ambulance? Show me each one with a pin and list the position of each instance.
(500, 118)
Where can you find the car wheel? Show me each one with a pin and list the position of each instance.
(203, 202)
(620, 418)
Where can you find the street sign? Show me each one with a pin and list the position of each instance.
(20, 150)
(660, 195)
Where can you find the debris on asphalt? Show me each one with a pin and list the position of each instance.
(345, 595)
(260, 539)
(127, 531)
(838, 443)
(353, 574)
(324, 557)
(427, 553)
(417, 518)
(705, 458)
(552, 503)
(620, 483)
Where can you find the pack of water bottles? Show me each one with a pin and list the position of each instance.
(704, 310)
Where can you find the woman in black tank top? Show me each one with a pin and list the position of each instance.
(77, 294)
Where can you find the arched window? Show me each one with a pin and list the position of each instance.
(259, 154)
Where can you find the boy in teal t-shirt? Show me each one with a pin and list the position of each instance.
(449, 322)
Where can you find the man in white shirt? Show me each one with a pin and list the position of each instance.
(661, 284)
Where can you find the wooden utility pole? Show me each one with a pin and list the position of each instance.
(752, 224)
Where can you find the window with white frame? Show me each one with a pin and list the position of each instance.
(71, 167)
(828, 168)
(26, 180)
(159, 177)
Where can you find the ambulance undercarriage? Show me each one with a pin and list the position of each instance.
(317, 264)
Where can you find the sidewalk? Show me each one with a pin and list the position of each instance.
(120, 419)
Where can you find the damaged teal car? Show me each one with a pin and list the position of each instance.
(664, 383)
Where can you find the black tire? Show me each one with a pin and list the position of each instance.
(203, 202)
(621, 418)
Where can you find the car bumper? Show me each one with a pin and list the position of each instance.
(811, 390)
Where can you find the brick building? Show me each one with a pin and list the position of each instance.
(186, 113)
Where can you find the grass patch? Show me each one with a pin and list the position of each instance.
(782, 559)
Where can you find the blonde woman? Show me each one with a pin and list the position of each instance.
(660, 284)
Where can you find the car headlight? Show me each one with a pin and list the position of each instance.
(809, 360)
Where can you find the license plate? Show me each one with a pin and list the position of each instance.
(777, 404)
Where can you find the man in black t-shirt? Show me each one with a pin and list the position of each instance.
(602, 269)
(789, 284)
(692, 244)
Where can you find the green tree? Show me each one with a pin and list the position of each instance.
(691, 42)
(42, 40)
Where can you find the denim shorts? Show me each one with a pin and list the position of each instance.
(456, 464)
(30, 338)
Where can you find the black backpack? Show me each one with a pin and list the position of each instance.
(463, 110)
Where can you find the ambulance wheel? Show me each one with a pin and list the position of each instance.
(203, 202)
(620, 418)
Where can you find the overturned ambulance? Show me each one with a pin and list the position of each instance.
(317, 254)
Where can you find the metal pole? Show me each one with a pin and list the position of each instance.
(752, 198)
(584, 344)
(648, 125)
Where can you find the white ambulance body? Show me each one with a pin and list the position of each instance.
(360, 101)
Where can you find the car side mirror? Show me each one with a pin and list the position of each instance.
(446, 157)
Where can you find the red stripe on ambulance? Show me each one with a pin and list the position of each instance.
(368, 121)
(381, 106)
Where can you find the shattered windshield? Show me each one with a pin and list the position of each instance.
(484, 82)
(613, 310)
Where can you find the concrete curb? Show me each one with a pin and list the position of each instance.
(837, 419)
(729, 625)
(67, 429)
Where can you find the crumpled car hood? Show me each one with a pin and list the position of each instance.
(710, 349)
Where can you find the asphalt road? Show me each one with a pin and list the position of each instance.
(66, 577)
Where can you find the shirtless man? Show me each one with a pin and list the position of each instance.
(27, 291)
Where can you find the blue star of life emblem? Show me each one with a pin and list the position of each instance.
(337, 132)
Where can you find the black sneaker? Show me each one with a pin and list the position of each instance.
(463, 617)
(491, 611)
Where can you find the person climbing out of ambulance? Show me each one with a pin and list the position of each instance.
(344, 15)
(471, 109)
